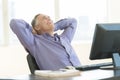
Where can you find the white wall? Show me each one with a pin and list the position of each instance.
(13, 61)
(114, 11)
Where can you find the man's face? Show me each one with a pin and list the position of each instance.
(44, 23)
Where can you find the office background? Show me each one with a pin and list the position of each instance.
(87, 12)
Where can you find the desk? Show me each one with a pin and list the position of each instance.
(85, 75)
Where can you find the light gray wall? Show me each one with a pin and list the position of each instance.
(114, 11)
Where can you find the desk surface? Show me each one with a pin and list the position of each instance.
(85, 75)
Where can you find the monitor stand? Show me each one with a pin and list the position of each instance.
(116, 61)
(116, 64)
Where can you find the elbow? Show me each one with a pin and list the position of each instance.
(73, 23)
(12, 23)
(15, 23)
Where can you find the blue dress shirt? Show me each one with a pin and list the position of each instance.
(51, 53)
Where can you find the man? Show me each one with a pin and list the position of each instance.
(50, 50)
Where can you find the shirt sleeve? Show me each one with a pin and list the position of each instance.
(68, 25)
(23, 31)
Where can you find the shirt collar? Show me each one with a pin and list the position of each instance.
(47, 36)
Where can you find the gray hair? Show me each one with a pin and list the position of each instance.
(34, 21)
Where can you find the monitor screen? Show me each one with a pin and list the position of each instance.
(106, 43)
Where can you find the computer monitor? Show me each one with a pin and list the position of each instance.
(106, 43)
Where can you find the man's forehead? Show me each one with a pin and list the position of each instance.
(42, 16)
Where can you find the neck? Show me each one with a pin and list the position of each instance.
(51, 33)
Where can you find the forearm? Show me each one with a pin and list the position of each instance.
(17, 25)
(68, 26)
(65, 23)
(23, 31)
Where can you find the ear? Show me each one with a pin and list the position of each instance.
(33, 31)
(37, 27)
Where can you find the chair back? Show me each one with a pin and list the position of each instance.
(32, 63)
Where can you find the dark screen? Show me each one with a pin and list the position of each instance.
(106, 41)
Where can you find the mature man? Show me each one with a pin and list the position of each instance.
(50, 50)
